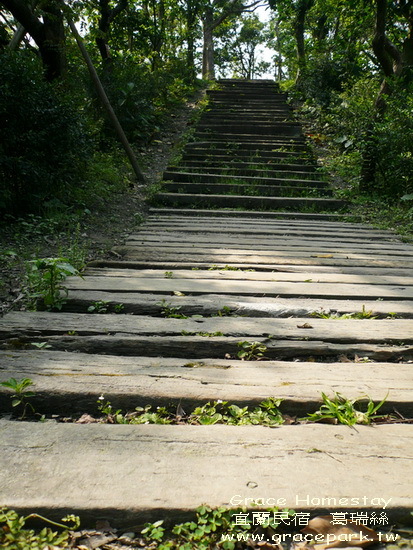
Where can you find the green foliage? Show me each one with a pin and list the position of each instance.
(170, 311)
(363, 314)
(153, 531)
(141, 97)
(44, 145)
(44, 279)
(141, 415)
(321, 78)
(21, 395)
(351, 126)
(15, 536)
(207, 529)
(345, 411)
(100, 306)
(267, 413)
(220, 412)
(225, 311)
(251, 351)
(206, 334)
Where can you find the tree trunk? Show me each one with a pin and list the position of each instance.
(208, 65)
(299, 29)
(48, 35)
(52, 50)
(191, 15)
(107, 15)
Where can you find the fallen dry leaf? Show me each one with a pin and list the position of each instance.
(86, 419)
(305, 325)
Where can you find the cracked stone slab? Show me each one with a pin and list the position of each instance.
(136, 472)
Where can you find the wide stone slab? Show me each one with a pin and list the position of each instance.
(72, 383)
(382, 331)
(310, 289)
(132, 473)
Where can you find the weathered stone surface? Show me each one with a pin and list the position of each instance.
(71, 383)
(132, 473)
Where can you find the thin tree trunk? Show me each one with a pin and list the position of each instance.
(208, 64)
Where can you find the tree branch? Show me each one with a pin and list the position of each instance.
(23, 14)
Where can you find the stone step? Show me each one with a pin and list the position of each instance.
(262, 144)
(263, 170)
(250, 202)
(245, 189)
(248, 100)
(230, 130)
(223, 163)
(250, 118)
(226, 143)
(206, 154)
(270, 93)
(249, 214)
(200, 177)
(71, 384)
(218, 465)
(211, 304)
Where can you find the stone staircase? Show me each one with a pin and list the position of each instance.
(186, 289)
(248, 152)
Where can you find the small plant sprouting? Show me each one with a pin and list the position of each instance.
(226, 311)
(168, 274)
(41, 345)
(21, 395)
(13, 533)
(98, 307)
(267, 413)
(118, 308)
(153, 531)
(251, 351)
(227, 268)
(212, 528)
(340, 410)
(205, 334)
(170, 311)
(142, 415)
(363, 314)
(44, 281)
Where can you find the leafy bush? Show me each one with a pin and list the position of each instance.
(43, 143)
(141, 98)
(320, 79)
(352, 124)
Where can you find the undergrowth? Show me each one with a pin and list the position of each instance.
(267, 413)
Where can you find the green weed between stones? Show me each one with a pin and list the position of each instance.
(213, 528)
(363, 314)
(14, 535)
(102, 306)
(206, 334)
(170, 311)
(227, 268)
(44, 282)
(267, 413)
(251, 351)
(21, 395)
(340, 410)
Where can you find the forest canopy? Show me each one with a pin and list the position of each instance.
(349, 64)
